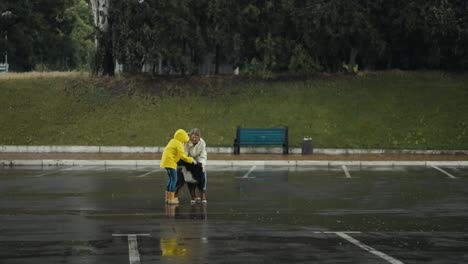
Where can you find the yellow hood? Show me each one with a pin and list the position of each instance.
(174, 150)
(181, 135)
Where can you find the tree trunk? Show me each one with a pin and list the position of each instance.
(159, 64)
(352, 60)
(389, 61)
(434, 57)
(217, 55)
(183, 64)
(104, 60)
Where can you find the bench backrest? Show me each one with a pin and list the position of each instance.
(262, 136)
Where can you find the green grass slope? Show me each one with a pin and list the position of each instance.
(394, 110)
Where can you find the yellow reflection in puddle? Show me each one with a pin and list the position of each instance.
(170, 247)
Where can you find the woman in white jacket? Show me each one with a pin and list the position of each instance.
(195, 148)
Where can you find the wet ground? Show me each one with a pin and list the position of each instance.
(254, 214)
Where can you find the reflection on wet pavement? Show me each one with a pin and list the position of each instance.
(275, 214)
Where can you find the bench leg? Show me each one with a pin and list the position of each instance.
(285, 150)
(236, 149)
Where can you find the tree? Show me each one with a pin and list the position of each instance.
(338, 30)
(80, 34)
(104, 59)
(222, 31)
(7, 19)
(39, 36)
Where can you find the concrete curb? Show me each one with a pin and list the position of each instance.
(310, 163)
(216, 150)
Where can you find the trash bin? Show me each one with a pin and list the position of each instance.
(307, 147)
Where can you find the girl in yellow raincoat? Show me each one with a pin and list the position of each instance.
(173, 152)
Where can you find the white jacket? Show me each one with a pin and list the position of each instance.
(198, 151)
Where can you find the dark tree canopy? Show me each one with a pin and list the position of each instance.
(258, 36)
(54, 35)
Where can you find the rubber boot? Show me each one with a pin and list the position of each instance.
(176, 194)
(171, 200)
(167, 197)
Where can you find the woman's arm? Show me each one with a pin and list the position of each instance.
(203, 155)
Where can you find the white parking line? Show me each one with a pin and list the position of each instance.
(334, 232)
(346, 171)
(133, 254)
(148, 173)
(368, 248)
(444, 172)
(246, 176)
(49, 173)
(118, 235)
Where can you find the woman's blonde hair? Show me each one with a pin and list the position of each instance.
(195, 131)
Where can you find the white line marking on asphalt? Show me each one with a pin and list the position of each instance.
(49, 173)
(345, 232)
(444, 172)
(117, 235)
(246, 176)
(250, 171)
(346, 171)
(133, 254)
(368, 248)
(146, 174)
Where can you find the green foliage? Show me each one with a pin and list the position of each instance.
(257, 68)
(41, 68)
(265, 37)
(302, 63)
(81, 35)
(55, 34)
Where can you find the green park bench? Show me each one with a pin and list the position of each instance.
(261, 137)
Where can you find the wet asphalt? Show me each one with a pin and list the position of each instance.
(253, 215)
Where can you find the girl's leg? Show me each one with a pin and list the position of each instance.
(171, 185)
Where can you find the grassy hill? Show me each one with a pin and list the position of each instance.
(395, 110)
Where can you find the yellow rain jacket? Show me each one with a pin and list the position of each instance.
(174, 150)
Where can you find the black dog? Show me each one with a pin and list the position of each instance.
(197, 174)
